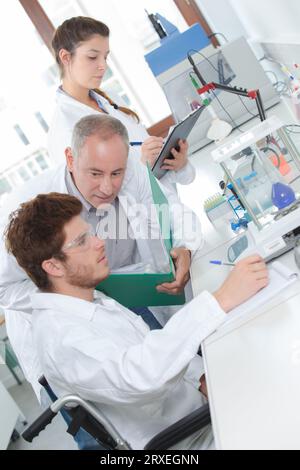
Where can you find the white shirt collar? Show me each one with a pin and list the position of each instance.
(74, 306)
(61, 95)
(66, 304)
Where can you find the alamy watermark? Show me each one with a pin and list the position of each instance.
(147, 222)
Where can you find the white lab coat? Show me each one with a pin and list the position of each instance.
(16, 287)
(143, 381)
(69, 111)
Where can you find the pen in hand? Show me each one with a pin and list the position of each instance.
(220, 263)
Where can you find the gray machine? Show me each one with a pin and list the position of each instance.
(235, 65)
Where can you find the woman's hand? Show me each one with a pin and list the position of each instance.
(180, 157)
(151, 148)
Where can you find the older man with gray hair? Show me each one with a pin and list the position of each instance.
(99, 173)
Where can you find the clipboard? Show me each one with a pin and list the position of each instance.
(179, 131)
(139, 290)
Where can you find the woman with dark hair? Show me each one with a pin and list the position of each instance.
(81, 47)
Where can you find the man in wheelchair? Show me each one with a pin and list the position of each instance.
(90, 345)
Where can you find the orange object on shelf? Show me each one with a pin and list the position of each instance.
(283, 167)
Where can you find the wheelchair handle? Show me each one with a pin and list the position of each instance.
(39, 424)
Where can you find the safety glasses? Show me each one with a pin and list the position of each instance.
(83, 241)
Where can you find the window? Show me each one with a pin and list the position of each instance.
(19, 173)
(5, 187)
(108, 74)
(21, 134)
(42, 121)
(51, 75)
(32, 167)
(23, 173)
(15, 178)
(26, 100)
(42, 162)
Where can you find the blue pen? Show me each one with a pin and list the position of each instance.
(220, 263)
(136, 143)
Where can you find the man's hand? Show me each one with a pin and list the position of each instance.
(151, 149)
(180, 157)
(182, 261)
(247, 277)
(203, 388)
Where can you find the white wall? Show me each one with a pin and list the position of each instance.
(222, 18)
(269, 19)
(261, 20)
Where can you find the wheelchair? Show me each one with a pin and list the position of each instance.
(85, 415)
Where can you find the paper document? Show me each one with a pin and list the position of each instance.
(140, 268)
(279, 278)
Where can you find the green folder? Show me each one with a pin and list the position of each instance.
(139, 289)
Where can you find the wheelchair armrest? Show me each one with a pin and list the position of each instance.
(178, 431)
(43, 381)
(39, 424)
(47, 416)
(82, 414)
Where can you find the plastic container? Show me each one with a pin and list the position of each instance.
(258, 192)
(217, 207)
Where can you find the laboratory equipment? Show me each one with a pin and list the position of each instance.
(233, 199)
(169, 27)
(282, 195)
(237, 248)
(239, 225)
(233, 64)
(157, 25)
(252, 162)
(212, 86)
(283, 53)
(169, 57)
(216, 207)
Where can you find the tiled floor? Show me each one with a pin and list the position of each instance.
(54, 437)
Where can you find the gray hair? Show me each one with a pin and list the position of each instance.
(103, 126)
